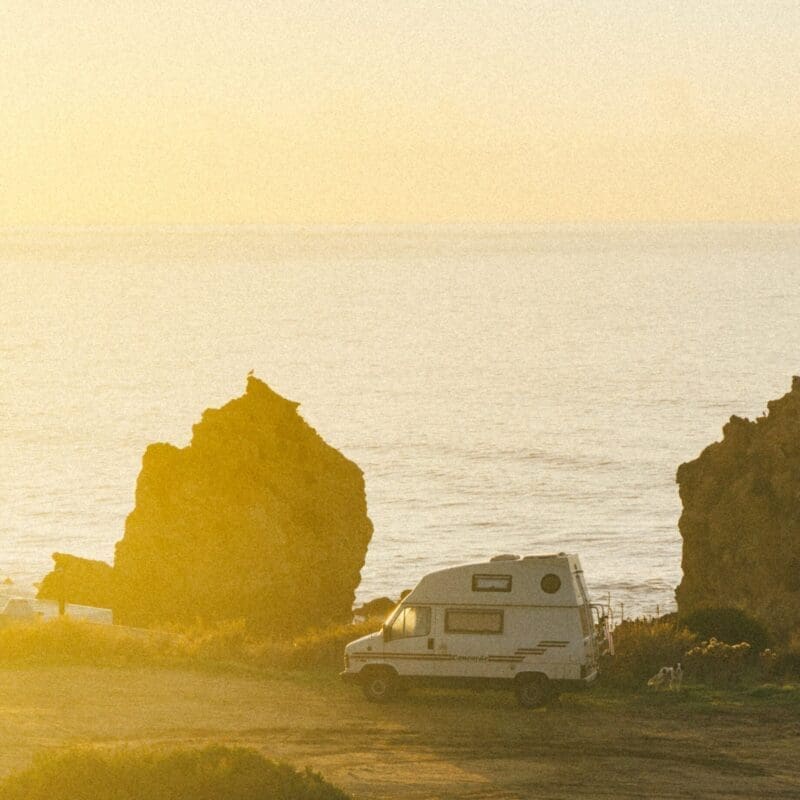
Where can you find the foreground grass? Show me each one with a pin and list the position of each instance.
(211, 773)
(691, 700)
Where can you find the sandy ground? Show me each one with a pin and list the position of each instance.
(429, 745)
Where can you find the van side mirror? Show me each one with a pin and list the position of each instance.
(386, 631)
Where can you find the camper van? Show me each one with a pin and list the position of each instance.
(525, 623)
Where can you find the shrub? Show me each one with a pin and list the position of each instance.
(212, 773)
(222, 645)
(642, 647)
(719, 663)
(68, 641)
(325, 648)
(770, 664)
(729, 625)
(784, 662)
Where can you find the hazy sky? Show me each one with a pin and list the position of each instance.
(235, 112)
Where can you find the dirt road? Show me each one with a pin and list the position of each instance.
(429, 745)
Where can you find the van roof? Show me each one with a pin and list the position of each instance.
(525, 585)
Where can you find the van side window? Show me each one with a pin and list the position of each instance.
(491, 583)
(411, 621)
(469, 620)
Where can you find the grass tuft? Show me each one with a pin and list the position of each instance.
(211, 773)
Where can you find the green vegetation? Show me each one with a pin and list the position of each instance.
(213, 773)
(222, 646)
(721, 664)
(68, 641)
(642, 647)
(325, 647)
(730, 625)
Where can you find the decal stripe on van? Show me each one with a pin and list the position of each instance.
(426, 656)
(514, 659)
(541, 648)
(433, 657)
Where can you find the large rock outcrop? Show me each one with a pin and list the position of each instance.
(741, 519)
(257, 518)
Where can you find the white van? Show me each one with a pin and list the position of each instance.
(525, 623)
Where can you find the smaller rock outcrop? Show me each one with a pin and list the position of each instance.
(379, 607)
(741, 519)
(82, 581)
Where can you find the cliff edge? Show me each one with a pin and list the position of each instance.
(741, 519)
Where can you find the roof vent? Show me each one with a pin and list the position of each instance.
(505, 557)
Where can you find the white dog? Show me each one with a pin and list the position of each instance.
(667, 678)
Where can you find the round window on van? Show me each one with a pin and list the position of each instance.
(551, 583)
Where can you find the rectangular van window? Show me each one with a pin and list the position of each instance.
(457, 620)
(491, 583)
(411, 621)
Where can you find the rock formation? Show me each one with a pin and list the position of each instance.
(258, 518)
(79, 580)
(741, 519)
(379, 607)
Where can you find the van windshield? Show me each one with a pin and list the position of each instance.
(411, 621)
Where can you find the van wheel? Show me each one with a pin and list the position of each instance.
(532, 691)
(379, 685)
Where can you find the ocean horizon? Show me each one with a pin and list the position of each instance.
(515, 388)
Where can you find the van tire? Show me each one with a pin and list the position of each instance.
(533, 690)
(379, 685)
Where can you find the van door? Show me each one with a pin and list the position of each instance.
(408, 645)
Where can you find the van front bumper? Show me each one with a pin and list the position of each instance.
(349, 677)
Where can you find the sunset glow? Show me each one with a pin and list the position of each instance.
(235, 112)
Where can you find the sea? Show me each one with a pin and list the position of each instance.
(505, 389)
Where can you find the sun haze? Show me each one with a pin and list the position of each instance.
(336, 112)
